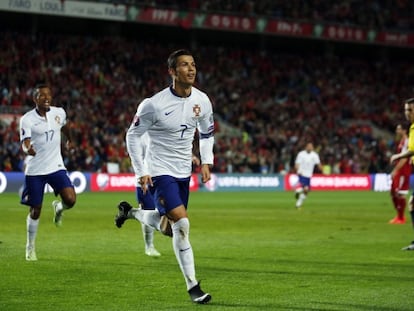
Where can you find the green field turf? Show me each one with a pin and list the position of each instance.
(253, 251)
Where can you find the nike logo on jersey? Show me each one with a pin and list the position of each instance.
(169, 112)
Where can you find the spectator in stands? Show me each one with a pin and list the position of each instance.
(257, 112)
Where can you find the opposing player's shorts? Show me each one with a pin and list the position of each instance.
(146, 200)
(400, 183)
(304, 181)
(34, 186)
(170, 192)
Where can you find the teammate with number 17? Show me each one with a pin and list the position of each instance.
(171, 117)
(40, 134)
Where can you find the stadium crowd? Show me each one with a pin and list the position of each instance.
(378, 14)
(267, 102)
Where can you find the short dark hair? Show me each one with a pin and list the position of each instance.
(409, 101)
(172, 59)
(38, 87)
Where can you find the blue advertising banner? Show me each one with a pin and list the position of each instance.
(243, 182)
(13, 182)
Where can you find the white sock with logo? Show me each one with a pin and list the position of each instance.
(183, 251)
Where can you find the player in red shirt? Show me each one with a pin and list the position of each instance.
(400, 177)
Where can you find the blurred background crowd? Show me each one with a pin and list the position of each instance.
(268, 100)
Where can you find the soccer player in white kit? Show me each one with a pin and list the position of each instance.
(40, 134)
(304, 166)
(170, 118)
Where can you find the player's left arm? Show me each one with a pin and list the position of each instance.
(206, 130)
(66, 130)
(320, 167)
(318, 163)
(70, 144)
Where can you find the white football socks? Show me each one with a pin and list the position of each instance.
(59, 207)
(300, 200)
(31, 225)
(148, 234)
(183, 251)
(147, 217)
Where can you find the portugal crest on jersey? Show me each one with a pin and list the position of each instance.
(57, 119)
(196, 110)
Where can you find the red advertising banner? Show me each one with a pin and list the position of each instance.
(289, 28)
(194, 183)
(125, 182)
(112, 182)
(332, 182)
(391, 38)
(343, 33)
(247, 24)
(228, 22)
(161, 17)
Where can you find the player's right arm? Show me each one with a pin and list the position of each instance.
(27, 147)
(297, 162)
(25, 137)
(136, 143)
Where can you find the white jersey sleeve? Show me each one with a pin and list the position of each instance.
(137, 139)
(206, 131)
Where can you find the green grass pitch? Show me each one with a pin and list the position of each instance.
(253, 251)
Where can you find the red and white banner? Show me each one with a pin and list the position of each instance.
(332, 182)
(289, 28)
(112, 182)
(125, 182)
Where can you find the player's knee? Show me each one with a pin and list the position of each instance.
(35, 212)
(69, 200)
(181, 228)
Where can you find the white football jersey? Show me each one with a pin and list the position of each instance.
(170, 122)
(45, 136)
(306, 162)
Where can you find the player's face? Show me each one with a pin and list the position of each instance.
(398, 132)
(185, 71)
(43, 99)
(409, 112)
(309, 147)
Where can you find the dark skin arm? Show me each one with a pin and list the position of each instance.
(28, 147)
(67, 132)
